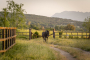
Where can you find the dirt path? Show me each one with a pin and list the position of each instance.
(66, 54)
(85, 52)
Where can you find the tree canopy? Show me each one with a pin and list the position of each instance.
(70, 27)
(86, 23)
(13, 15)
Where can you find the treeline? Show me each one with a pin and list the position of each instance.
(67, 27)
(50, 21)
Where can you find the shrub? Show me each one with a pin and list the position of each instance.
(76, 37)
(60, 34)
(36, 35)
(70, 36)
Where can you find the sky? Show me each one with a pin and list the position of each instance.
(50, 7)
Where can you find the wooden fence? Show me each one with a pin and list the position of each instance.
(73, 34)
(29, 34)
(55, 34)
(7, 38)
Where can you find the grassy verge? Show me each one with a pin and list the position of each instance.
(78, 43)
(75, 53)
(31, 50)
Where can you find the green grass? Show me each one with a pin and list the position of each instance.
(79, 43)
(34, 49)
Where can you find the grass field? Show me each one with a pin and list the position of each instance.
(34, 49)
(68, 45)
(78, 43)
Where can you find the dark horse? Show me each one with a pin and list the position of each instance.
(45, 35)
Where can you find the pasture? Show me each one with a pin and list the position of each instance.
(31, 50)
(78, 48)
(36, 49)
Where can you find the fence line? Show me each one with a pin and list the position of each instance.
(7, 38)
(65, 34)
(77, 34)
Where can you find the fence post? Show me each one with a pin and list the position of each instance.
(66, 34)
(30, 34)
(3, 38)
(89, 35)
(53, 33)
(6, 40)
(86, 35)
(77, 34)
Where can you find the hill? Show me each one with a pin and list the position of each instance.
(50, 21)
(77, 16)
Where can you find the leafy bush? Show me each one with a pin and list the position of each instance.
(76, 37)
(36, 35)
(70, 36)
(60, 34)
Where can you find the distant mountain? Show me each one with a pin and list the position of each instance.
(78, 16)
(50, 21)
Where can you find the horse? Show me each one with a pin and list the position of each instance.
(45, 35)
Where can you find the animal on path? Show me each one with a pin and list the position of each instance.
(45, 35)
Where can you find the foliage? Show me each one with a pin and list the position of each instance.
(36, 35)
(86, 23)
(76, 37)
(13, 15)
(70, 36)
(70, 27)
(50, 21)
(4, 18)
(60, 34)
(49, 29)
(35, 26)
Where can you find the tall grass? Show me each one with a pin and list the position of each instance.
(80, 55)
(78, 43)
(30, 50)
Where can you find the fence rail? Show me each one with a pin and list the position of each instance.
(7, 38)
(23, 33)
(73, 34)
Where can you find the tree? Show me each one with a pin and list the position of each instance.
(86, 24)
(3, 18)
(17, 17)
(56, 27)
(15, 14)
(70, 27)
